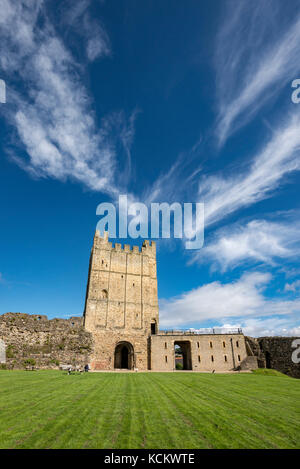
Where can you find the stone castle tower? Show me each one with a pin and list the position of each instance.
(121, 312)
(121, 307)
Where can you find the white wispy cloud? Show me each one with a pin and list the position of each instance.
(259, 241)
(222, 301)
(122, 130)
(253, 179)
(254, 59)
(266, 327)
(279, 157)
(77, 17)
(293, 287)
(48, 104)
(179, 182)
(97, 42)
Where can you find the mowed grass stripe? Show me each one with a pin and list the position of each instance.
(72, 426)
(175, 396)
(213, 416)
(166, 424)
(222, 411)
(29, 402)
(200, 411)
(48, 409)
(248, 412)
(263, 408)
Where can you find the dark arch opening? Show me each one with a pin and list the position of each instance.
(124, 356)
(153, 327)
(104, 294)
(268, 360)
(183, 355)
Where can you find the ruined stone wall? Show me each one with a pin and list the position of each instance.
(47, 343)
(219, 352)
(105, 346)
(278, 354)
(253, 350)
(121, 300)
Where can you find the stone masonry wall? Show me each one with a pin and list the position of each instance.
(121, 301)
(220, 352)
(253, 350)
(278, 354)
(47, 343)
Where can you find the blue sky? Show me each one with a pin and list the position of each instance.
(163, 101)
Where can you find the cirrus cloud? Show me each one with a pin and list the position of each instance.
(254, 59)
(258, 241)
(52, 112)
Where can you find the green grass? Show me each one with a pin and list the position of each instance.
(49, 409)
(269, 372)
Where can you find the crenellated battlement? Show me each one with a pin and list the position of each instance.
(148, 247)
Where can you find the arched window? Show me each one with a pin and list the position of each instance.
(104, 294)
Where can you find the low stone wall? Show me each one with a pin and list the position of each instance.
(253, 350)
(35, 340)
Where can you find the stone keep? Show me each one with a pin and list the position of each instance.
(121, 307)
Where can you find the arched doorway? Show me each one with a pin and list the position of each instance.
(124, 356)
(183, 355)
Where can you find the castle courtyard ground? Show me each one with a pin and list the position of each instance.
(50, 409)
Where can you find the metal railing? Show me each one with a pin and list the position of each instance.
(208, 331)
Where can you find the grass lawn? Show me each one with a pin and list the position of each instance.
(49, 409)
